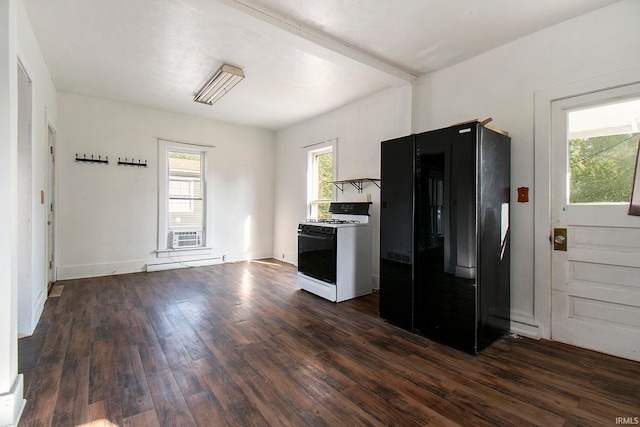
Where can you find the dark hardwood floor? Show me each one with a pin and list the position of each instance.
(239, 344)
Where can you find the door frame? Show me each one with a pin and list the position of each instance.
(541, 322)
(50, 199)
(25, 199)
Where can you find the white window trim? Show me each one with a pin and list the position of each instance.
(312, 150)
(164, 146)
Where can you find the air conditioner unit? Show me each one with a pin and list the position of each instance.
(185, 239)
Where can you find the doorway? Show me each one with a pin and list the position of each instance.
(595, 258)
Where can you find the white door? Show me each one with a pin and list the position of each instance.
(595, 301)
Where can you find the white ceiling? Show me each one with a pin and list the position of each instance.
(302, 58)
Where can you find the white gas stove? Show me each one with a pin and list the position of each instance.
(334, 255)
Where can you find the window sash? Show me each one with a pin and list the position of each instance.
(317, 200)
(184, 184)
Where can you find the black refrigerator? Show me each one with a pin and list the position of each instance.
(444, 234)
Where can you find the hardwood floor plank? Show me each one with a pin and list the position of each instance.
(103, 380)
(135, 397)
(194, 311)
(151, 353)
(189, 379)
(170, 406)
(73, 396)
(144, 419)
(276, 411)
(193, 344)
(47, 375)
(30, 348)
(174, 351)
(119, 328)
(158, 318)
(206, 409)
(80, 336)
(105, 411)
(226, 353)
(237, 406)
(239, 344)
(323, 389)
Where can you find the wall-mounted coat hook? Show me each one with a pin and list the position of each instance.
(84, 158)
(126, 162)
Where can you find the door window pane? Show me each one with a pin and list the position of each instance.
(603, 141)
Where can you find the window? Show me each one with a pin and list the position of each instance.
(185, 183)
(320, 188)
(603, 141)
(184, 196)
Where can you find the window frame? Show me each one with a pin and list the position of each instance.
(312, 176)
(164, 147)
(190, 197)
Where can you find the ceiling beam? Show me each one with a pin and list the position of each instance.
(324, 46)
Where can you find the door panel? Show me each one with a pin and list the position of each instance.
(396, 231)
(595, 286)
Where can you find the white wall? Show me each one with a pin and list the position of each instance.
(359, 128)
(501, 84)
(107, 214)
(33, 291)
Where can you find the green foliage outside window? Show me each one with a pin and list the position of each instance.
(325, 187)
(187, 156)
(602, 168)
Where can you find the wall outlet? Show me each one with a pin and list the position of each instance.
(368, 197)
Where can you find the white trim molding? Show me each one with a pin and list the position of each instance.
(12, 404)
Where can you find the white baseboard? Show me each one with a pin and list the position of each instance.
(97, 270)
(285, 256)
(38, 308)
(525, 325)
(12, 403)
(168, 260)
(170, 265)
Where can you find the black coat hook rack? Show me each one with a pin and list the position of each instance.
(84, 158)
(126, 162)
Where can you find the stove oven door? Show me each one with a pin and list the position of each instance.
(317, 253)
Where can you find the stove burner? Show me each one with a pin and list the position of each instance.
(333, 221)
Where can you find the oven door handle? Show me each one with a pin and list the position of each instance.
(317, 236)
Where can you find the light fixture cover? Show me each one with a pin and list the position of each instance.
(221, 83)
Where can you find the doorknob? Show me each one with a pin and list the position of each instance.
(559, 239)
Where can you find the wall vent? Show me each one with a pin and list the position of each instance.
(185, 239)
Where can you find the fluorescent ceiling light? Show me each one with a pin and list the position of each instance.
(221, 83)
